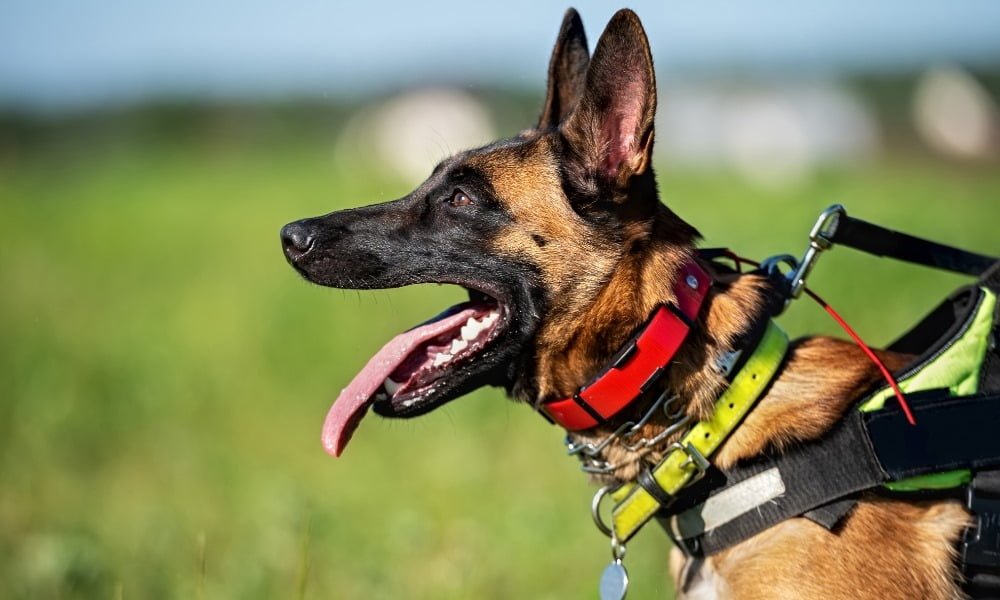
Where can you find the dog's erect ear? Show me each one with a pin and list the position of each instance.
(567, 71)
(611, 130)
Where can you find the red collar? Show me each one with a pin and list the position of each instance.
(640, 362)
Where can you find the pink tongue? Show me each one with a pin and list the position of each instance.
(354, 400)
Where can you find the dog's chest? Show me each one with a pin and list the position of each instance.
(696, 578)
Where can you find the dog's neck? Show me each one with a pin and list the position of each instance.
(571, 349)
(794, 409)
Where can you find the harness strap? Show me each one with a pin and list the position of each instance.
(880, 241)
(864, 451)
(957, 402)
(959, 433)
(812, 475)
(635, 504)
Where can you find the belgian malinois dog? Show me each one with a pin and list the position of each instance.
(565, 248)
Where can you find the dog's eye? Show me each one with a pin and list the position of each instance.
(459, 198)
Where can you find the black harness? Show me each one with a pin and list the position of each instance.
(879, 451)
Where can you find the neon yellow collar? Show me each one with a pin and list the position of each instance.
(635, 504)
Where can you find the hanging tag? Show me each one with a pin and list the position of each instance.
(614, 581)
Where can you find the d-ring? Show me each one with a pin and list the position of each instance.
(595, 510)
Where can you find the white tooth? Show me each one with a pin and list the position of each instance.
(390, 385)
(441, 358)
(471, 329)
(491, 318)
(457, 346)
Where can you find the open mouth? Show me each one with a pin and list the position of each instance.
(405, 375)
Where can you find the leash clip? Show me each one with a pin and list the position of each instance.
(820, 240)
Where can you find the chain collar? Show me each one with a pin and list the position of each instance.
(590, 453)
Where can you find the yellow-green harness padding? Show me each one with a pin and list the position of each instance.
(957, 369)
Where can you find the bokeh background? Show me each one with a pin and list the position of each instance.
(164, 374)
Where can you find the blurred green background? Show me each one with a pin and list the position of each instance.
(164, 374)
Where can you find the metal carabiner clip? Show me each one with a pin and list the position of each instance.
(820, 240)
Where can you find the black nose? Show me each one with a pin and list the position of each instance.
(297, 239)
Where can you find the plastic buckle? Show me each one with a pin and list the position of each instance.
(689, 547)
(981, 544)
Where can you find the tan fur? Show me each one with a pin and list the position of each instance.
(886, 549)
(550, 235)
(578, 267)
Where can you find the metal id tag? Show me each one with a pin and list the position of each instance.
(614, 581)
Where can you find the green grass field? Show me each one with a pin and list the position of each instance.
(164, 376)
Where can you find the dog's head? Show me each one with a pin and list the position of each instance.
(538, 228)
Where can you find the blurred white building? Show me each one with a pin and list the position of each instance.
(410, 132)
(955, 115)
(773, 134)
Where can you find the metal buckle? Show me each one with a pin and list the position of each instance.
(695, 458)
(981, 544)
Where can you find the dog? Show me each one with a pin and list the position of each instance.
(565, 248)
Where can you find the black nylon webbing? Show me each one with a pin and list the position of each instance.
(951, 433)
(880, 241)
(862, 452)
(983, 586)
(814, 474)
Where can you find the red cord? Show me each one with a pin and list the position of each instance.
(903, 404)
(875, 359)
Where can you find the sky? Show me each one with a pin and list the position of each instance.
(72, 53)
